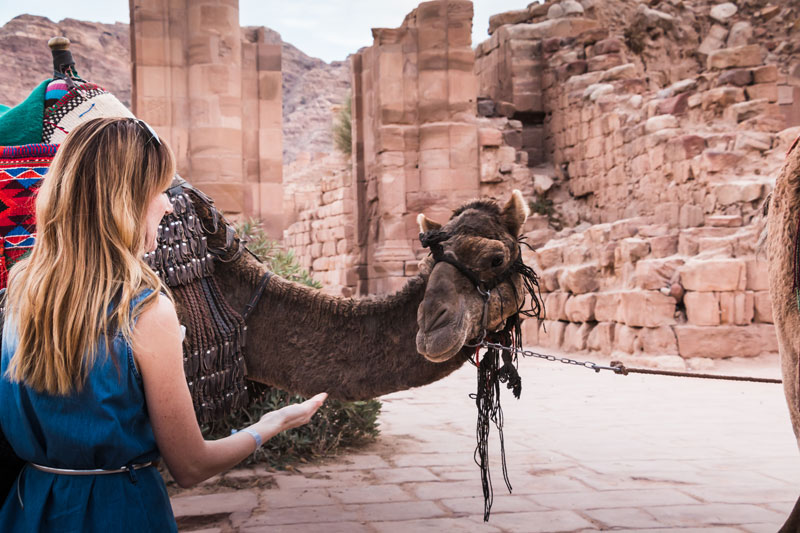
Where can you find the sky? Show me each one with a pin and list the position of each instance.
(328, 29)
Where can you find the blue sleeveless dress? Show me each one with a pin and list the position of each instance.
(106, 426)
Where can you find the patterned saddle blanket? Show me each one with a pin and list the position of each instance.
(21, 172)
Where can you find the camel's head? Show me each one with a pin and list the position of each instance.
(476, 251)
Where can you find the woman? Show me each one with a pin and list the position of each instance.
(92, 386)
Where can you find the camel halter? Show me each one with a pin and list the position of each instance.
(490, 374)
(433, 239)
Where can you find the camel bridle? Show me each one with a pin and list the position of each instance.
(490, 372)
(433, 240)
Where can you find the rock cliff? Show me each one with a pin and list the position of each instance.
(311, 87)
(101, 51)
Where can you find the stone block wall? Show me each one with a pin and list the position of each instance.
(319, 195)
(213, 91)
(505, 162)
(620, 144)
(636, 287)
(693, 149)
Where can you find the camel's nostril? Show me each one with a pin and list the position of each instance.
(439, 320)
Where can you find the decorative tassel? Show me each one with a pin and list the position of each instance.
(487, 397)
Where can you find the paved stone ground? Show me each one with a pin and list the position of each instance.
(586, 452)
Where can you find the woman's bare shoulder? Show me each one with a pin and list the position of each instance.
(157, 327)
(160, 308)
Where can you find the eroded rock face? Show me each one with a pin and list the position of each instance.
(101, 51)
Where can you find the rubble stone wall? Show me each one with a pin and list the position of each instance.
(663, 133)
(636, 286)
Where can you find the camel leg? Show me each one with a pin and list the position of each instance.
(790, 360)
(792, 524)
(789, 368)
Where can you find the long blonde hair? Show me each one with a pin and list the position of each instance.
(87, 261)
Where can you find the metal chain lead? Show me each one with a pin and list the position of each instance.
(617, 367)
(566, 360)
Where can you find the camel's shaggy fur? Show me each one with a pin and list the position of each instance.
(782, 228)
(783, 217)
(302, 340)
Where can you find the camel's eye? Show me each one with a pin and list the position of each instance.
(497, 261)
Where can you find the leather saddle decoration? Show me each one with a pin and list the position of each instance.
(215, 332)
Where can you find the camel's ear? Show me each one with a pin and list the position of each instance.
(515, 213)
(426, 224)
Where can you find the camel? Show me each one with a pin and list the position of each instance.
(304, 341)
(782, 222)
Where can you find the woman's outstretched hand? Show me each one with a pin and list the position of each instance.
(296, 414)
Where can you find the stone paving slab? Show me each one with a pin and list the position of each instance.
(404, 475)
(302, 515)
(370, 494)
(610, 499)
(715, 514)
(301, 497)
(759, 528)
(326, 527)
(622, 517)
(508, 503)
(439, 525)
(586, 452)
(539, 522)
(213, 504)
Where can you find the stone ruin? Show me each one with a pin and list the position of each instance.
(666, 133)
(418, 146)
(647, 135)
(213, 89)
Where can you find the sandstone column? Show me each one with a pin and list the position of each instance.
(159, 95)
(215, 101)
(448, 138)
(359, 180)
(269, 189)
(394, 249)
(415, 140)
(213, 91)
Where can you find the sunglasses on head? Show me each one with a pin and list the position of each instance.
(147, 129)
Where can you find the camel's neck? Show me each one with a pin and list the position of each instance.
(304, 341)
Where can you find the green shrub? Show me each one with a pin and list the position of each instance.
(337, 424)
(343, 128)
(542, 206)
(280, 261)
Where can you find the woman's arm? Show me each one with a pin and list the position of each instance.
(189, 457)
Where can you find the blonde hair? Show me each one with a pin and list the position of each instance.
(91, 226)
